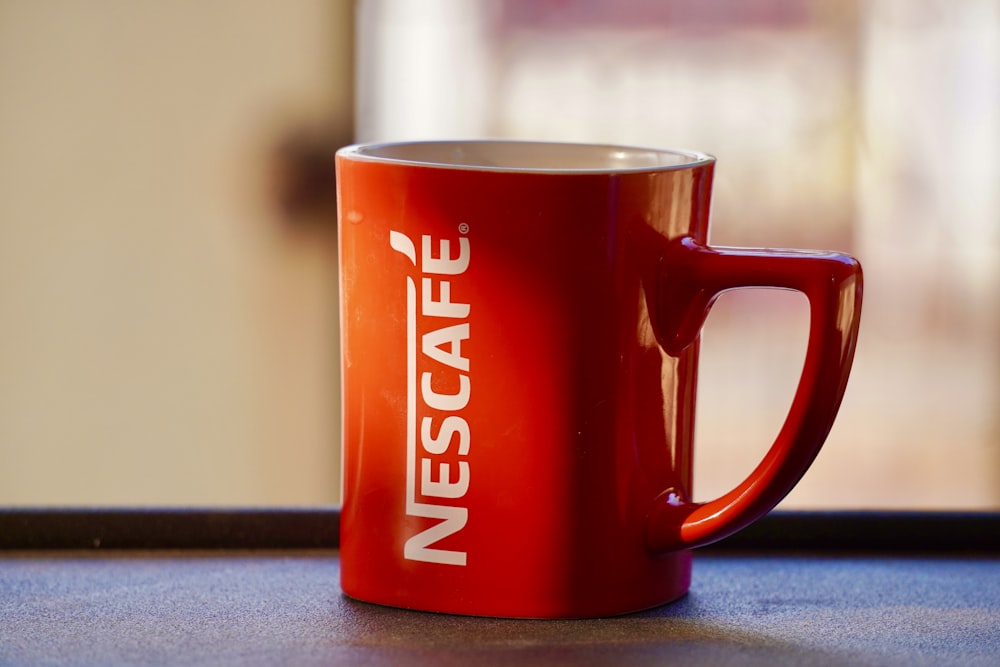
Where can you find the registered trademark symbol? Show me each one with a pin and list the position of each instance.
(463, 228)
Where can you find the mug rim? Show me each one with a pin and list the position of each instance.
(525, 156)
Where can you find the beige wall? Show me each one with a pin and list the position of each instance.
(164, 339)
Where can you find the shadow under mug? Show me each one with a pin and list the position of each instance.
(520, 328)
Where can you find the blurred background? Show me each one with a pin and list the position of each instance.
(168, 293)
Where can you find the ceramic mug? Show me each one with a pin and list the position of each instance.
(520, 328)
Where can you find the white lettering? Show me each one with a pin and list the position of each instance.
(444, 263)
(433, 342)
(444, 487)
(450, 427)
(453, 519)
(448, 402)
(444, 307)
(444, 346)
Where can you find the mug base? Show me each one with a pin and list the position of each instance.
(575, 617)
(663, 580)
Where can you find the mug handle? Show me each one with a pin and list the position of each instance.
(691, 277)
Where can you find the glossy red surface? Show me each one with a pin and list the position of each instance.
(534, 382)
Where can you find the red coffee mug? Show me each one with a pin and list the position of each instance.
(520, 330)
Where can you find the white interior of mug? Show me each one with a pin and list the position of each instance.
(527, 156)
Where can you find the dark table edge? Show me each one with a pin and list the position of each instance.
(319, 528)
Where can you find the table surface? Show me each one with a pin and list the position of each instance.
(286, 608)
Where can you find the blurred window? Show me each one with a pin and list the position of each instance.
(870, 127)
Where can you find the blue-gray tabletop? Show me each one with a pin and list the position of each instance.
(286, 608)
